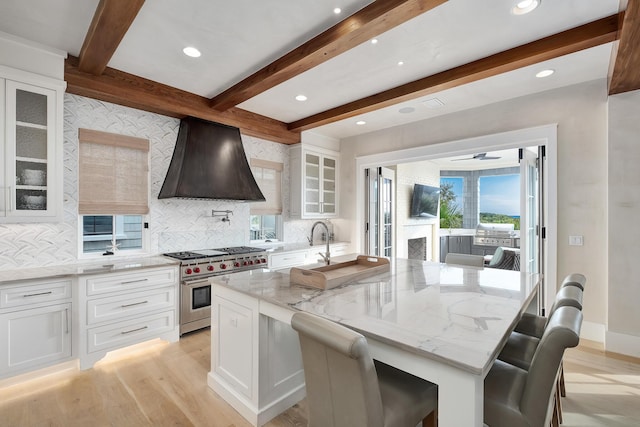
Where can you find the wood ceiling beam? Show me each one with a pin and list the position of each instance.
(371, 21)
(625, 75)
(583, 37)
(109, 25)
(132, 91)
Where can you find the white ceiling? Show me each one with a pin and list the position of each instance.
(239, 37)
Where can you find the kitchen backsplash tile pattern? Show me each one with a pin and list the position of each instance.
(174, 224)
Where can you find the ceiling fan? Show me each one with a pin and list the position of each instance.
(479, 156)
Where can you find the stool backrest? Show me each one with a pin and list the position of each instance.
(562, 332)
(464, 259)
(574, 279)
(341, 380)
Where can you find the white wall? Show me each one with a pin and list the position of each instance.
(408, 174)
(623, 333)
(174, 224)
(581, 115)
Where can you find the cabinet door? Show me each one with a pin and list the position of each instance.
(236, 336)
(328, 199)
(34, 338)
(30, 164)
(311, 184)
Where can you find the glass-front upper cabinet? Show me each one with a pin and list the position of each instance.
(313, 183)
(29, 180)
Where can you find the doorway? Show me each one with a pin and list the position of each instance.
(547, 213)
(380, 211)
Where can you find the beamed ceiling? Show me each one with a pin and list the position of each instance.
(258, 55)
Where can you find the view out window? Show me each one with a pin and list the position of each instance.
(451, 202)
(500, 199)
(100, 232)
(265, 227)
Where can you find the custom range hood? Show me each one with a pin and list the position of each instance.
(209, 163)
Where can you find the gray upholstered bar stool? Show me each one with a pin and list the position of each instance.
(345, 388)
(515, 397)
(464, 259)
(522, 343)
(574, 279)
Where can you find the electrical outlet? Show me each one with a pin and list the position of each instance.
(575, 241)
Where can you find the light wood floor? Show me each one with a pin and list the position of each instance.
(165, 384)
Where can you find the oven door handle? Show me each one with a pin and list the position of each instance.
(192, 282)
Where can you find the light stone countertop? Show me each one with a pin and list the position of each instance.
(458, 315)
(106, 265)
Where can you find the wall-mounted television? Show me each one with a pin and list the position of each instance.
(425, 201)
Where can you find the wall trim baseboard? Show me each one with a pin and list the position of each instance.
(622, 344)
(593, 331)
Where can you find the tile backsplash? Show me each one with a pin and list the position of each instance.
(174, 224)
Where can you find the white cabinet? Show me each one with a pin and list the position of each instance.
(288, 259)
(35, 325)
(313, 182)
(31, 165)
(120, 309)
(256, 363)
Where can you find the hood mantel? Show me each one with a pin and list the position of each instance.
(209, 162)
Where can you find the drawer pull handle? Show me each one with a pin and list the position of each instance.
(38, 294)
(133, 303)
(134, 330)
(134, 281)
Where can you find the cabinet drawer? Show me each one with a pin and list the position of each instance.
(287, 259)
(130, 281)
(34, 293)
(125, 305)
(130, 332)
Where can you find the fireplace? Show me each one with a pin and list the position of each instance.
(417, 248)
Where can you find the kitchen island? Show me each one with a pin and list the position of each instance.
(440, 322)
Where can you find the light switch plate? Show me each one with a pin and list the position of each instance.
(575, 241)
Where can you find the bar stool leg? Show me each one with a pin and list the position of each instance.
(563, 390)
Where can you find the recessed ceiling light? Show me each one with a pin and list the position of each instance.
(400, 63)
(374, 41)
(301, 98)
(525, 6)
(406, 110)
(545, 73)
(337, 11)
(191, 51)
(361, 122)
(433, 103)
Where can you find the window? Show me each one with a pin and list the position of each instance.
(451, 202)
(266, 217)
(113, 192)
(500, 199)
(100, 231)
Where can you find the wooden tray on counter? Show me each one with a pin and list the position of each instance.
(333, 275)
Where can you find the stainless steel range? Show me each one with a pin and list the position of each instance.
(195, 269)
(496, 235)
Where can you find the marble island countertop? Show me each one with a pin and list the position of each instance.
(461, 316)
(82, 268)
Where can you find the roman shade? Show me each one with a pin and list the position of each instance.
(268, 175)
(113, 177)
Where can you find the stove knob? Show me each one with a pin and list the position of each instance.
(223, 266)
(188, 271)
(236, 264)
(263, 260)
(196, 270)
(251, 262)
(210, 268)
